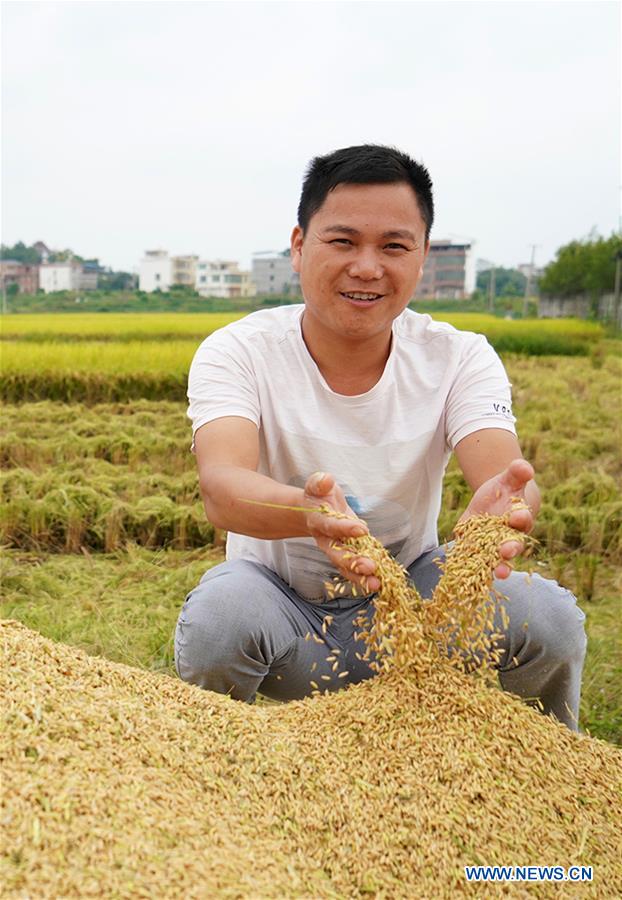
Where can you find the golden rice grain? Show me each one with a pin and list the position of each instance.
(124, 783)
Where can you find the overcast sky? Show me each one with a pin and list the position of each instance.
(188, 125)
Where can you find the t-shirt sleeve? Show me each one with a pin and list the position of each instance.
(222, 382)
(480, 396)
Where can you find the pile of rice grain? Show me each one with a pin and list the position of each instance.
(123, 783)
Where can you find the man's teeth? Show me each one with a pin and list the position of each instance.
(357, 295)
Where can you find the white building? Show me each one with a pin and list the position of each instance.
(273, 274)
(66, 276)
(155, 272)
(223, 278)
(184, 270)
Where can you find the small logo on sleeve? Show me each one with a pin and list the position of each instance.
(502, 409)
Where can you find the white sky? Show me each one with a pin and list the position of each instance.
(188, 125)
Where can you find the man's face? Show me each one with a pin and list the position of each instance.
(360, 259)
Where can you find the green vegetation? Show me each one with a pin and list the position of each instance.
(19, 252)
(507, 283)
(104, 530)
(106, 604)
(110, 300)
(583, 267)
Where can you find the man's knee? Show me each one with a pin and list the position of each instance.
(215, 628)
(549, 618)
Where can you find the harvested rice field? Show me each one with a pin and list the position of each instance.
(118, 780)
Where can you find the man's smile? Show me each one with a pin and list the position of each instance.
(361, 296)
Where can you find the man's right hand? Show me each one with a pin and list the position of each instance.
(328, 531)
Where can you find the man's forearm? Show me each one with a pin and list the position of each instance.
(224, 490)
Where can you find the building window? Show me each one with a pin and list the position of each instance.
(157, 276)
(448, 260)
(449, 275)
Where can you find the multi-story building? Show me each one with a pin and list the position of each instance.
(68, 275)
(184, 270)
(155, 271)
(448, 271)
(273, 274)
(24, 275)
(223, 278)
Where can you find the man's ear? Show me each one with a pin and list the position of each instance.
(425, 256)
(296, 248)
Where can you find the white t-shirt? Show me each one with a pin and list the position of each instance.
(387, 448)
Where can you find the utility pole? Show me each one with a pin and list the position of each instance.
(492, 290)
(529, 280)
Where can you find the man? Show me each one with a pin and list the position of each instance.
(354, 401)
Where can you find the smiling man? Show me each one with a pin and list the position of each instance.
(354, 401)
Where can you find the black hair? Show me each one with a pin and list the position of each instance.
(366, 164)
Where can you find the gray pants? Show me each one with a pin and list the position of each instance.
(242, 631)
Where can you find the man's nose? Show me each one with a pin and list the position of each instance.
(365, 265)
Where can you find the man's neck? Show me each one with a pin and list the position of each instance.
(349, 366)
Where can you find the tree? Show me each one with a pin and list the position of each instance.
(508, 282)
(116, 281)
(20, 253)
(583, 267)
(65, 256)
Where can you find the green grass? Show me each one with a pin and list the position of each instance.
(122, 606)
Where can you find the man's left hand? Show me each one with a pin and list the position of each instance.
(496, 497)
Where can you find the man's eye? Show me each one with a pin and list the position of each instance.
(340, 241)
(395, 247)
